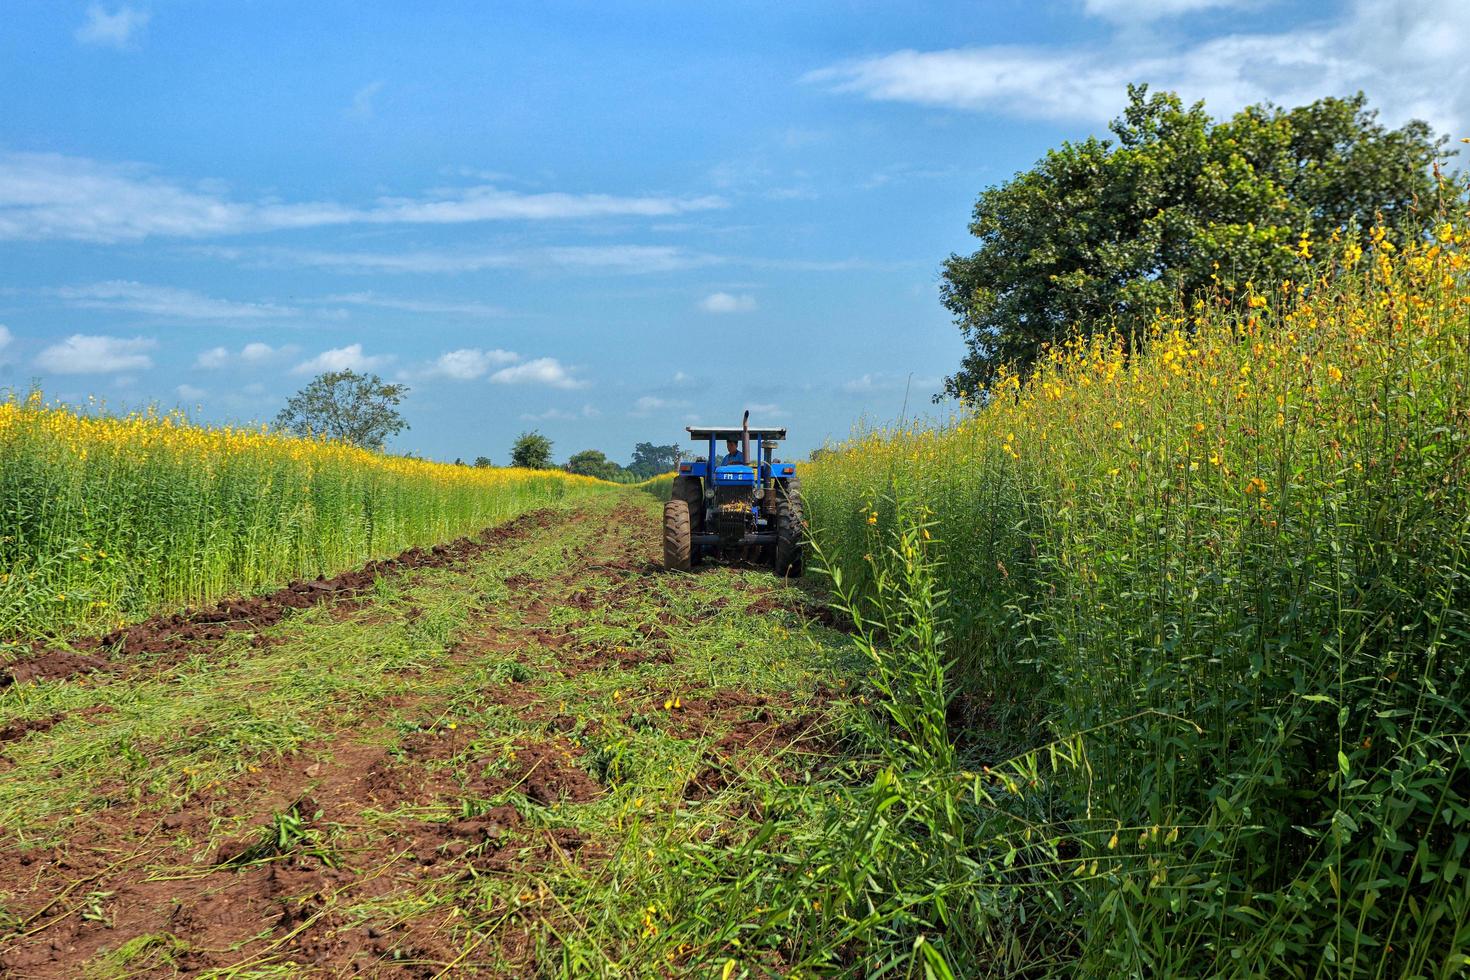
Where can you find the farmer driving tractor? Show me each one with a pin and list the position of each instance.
(733, 456)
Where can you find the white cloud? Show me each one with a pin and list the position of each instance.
(349, 358)
(6, 338)
(626, 258)
(493, 204)
(189, 393)
(114, 30)
(362, 101)
(561, 415)
(255, 352)
(865, 384)
(542, 371)
(215, 357)
(84, 354)
(881, 382)
(727, 303)
(1412, 57)
(611, 259)
(433, 307)
(469, 363)
(681, 378)
(653, 405)
(1135, 11)
(765, 411)
(48, 195)
(184, 304)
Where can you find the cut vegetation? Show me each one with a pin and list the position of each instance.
(528, 752)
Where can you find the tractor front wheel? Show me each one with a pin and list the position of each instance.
(676, 535)
(790, 535)
(690, 490)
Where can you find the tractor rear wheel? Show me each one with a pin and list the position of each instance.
(790, 534)
(676, 535)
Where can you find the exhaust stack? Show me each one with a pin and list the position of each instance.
(745, 437)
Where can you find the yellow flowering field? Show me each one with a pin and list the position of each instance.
(109, 519)
(1231, 571)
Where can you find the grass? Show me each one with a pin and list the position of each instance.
(108, 520)
(1202, 612)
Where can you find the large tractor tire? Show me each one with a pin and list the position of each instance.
(690, 490)
(779, 489)
(790, 534)
(677, 547)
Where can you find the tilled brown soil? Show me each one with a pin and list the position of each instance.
(195, 900)
(166, 639)
(101, 885)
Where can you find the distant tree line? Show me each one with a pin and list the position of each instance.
(362, 409)
(533, 451)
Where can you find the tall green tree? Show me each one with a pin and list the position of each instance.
(1100, 233)
(594, 462)
(651, 460)
(358, 408)
(531, 451)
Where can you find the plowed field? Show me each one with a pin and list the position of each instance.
(522, 754)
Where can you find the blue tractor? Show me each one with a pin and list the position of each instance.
(737, 507)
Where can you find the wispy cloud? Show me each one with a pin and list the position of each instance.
(6, 339)
(426, 306)
(362, 101)
(166, 301)
(546, 371)
(89, 354)
(654, 405)
(1411, 56)
(881, 382)
(590, 259)
(251, 354)
(113, 30)
(189, 393)
(561, 415)
(727, 303)
(1137, 11)
(349, 358)
(47, 195)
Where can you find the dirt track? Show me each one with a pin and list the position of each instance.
(407, 770)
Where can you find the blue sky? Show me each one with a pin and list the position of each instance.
(603, 220)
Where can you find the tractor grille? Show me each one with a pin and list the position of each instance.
(733, 498)
(732, 511)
